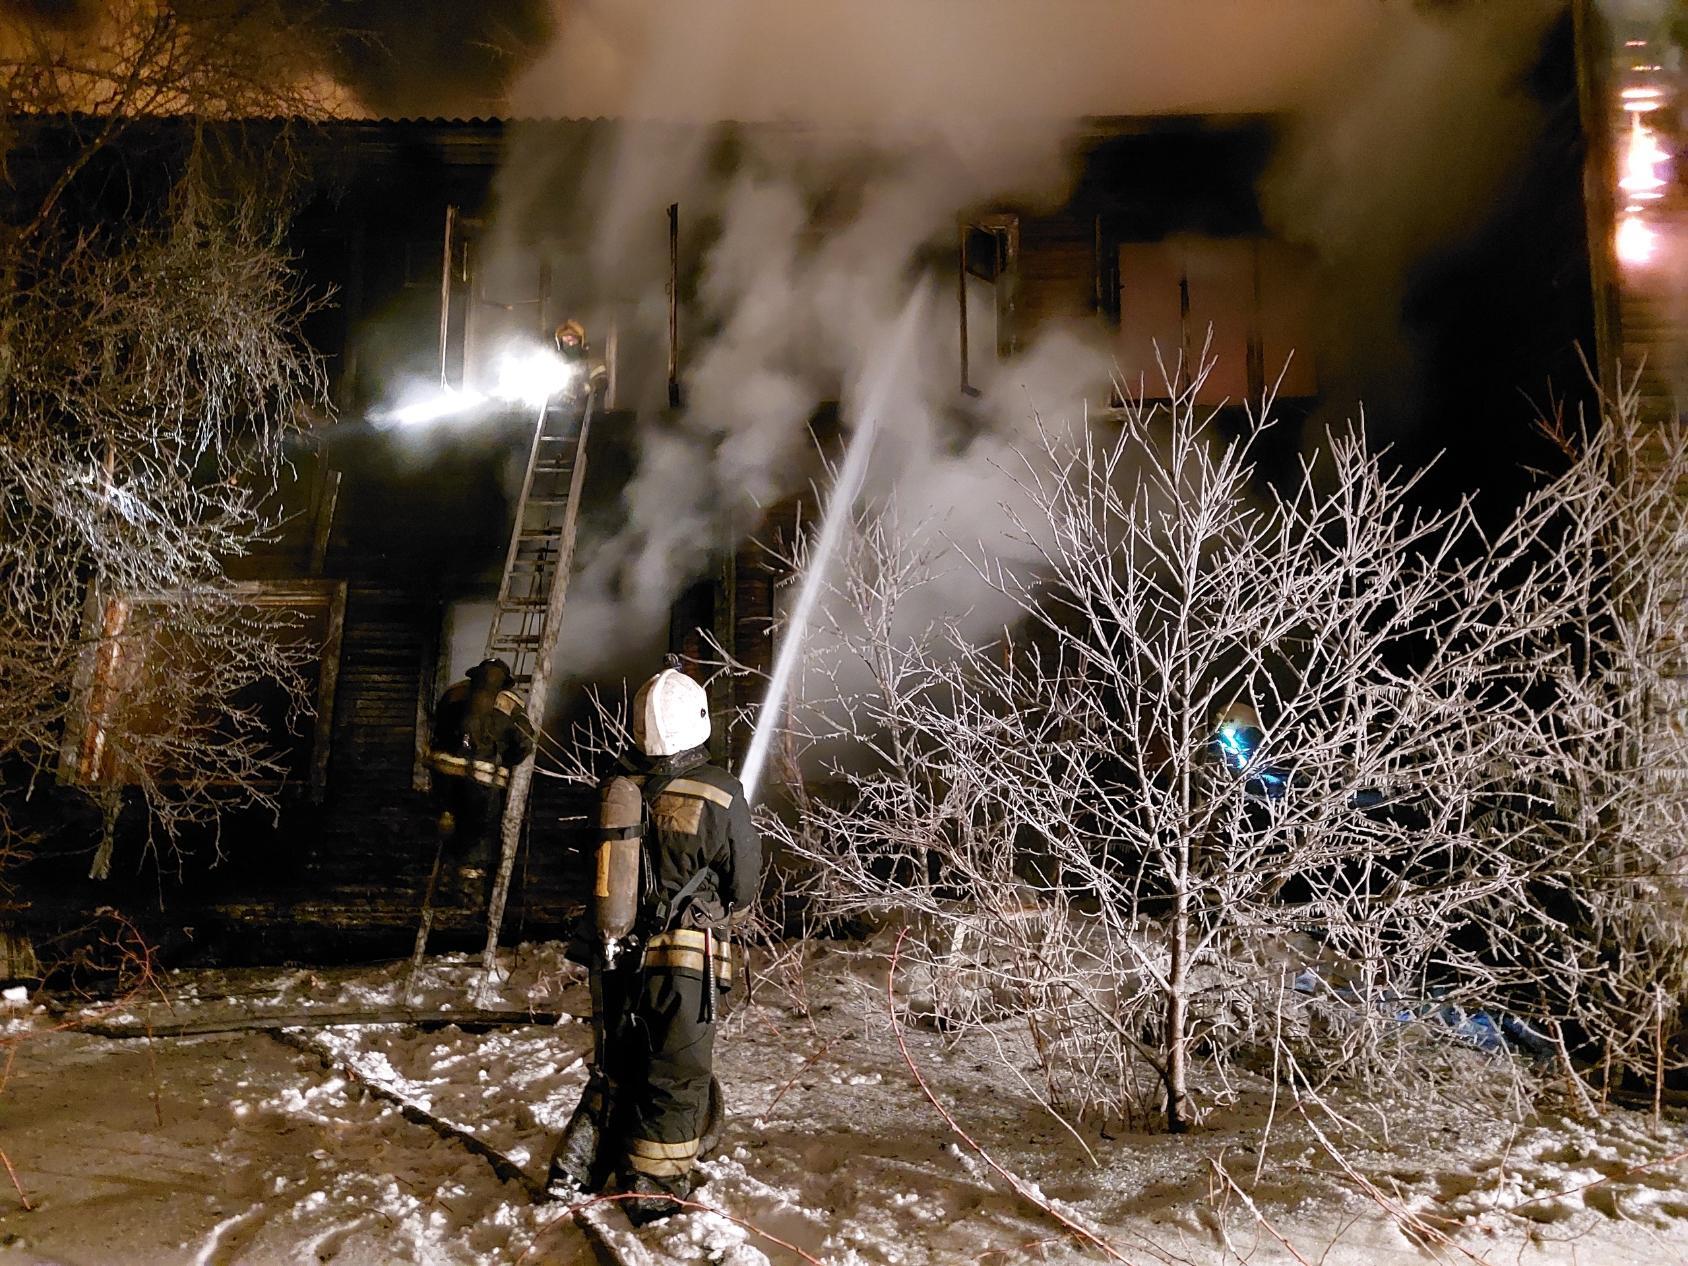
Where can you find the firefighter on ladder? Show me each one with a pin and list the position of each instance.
(481, 731)
(678, 866)
(590, 373)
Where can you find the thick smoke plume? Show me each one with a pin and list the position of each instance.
(1415, 132)
(894, 119)
(873, 125)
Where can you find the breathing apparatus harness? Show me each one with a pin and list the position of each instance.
(660, 915)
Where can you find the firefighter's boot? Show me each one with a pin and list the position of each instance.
(649, 1199)
(576, 1165)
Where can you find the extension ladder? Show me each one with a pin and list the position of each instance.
(541, 541)
(526, 619)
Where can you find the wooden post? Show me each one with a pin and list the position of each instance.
(445, 288)
(674, 305)
(328, 500)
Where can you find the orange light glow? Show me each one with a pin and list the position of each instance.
(1641, 100)
(1642, 159)
(1636, 242)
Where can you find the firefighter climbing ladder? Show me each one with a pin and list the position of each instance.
(531, 592)
(527, 617)
(543, 530)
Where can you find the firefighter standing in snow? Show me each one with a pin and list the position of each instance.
(678, 865)
(481, 730)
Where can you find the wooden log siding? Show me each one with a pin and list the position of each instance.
(364, 859)
(363, 863)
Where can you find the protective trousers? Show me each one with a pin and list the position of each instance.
(663, 1102)
(583, 1157)
(650, 1101)
(470, 817)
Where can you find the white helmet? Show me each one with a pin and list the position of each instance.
(670, 714)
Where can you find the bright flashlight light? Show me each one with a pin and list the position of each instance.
(526, 375)
(1635, 241)
(531, 375)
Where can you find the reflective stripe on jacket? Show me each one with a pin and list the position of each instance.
(481, 771)
(478, 735)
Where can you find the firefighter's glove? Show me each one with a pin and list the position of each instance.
(448, 823)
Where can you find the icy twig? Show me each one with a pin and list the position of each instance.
(1402, 1216)
(13, 1174)
(1663, 1162)
(792, 1080)
(1021, 1252)
(1224, 1177)
(11, 1059)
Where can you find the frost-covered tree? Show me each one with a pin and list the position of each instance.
(1380, 846)
(151, 364)
(1615, 956)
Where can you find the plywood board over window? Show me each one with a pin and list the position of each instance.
(987, 272)
(128, 723)
(1237, 306)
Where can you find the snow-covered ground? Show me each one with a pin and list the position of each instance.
(239, 1147)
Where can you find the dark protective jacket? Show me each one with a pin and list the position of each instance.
(678, 856)
(591, 373)
(700, 863)
(701, 857)
(479, 734)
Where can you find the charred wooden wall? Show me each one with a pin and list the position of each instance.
(365, 865)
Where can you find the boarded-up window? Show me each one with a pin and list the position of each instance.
(988, 275)
(1244, 302)
(148, 688)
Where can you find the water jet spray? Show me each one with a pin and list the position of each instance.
(840, 505)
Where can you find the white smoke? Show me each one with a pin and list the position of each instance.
(1416, 132)
(878, 123)
(795, 310)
